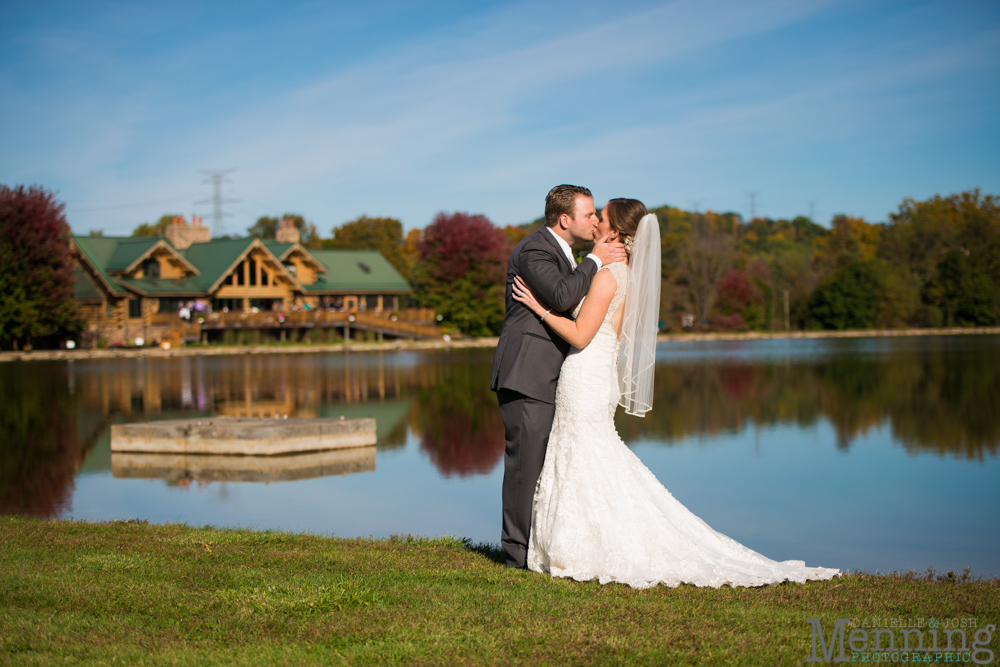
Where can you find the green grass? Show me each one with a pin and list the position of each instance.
(135, 594)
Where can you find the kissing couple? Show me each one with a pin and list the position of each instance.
(577, 341)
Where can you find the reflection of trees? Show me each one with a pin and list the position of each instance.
(941, 401)
(937, 397)
(40, 448)
(458, 418)
(707, 398)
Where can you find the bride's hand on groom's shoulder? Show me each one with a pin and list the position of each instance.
(609, 252)
(523, 294)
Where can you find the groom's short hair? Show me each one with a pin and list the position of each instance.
(562, 199)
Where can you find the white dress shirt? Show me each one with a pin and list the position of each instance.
(569, 252)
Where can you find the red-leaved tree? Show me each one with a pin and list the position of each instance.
(460, 273)
(36, 269)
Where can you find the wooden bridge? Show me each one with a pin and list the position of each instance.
(413, 323)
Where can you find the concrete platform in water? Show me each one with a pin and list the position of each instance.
(211, 468)
(247, 436)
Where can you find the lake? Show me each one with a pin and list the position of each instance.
(869, 453)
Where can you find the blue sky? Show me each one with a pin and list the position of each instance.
(406, 109)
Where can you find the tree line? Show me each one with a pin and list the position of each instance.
(934, 263)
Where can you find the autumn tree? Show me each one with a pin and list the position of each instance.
(921, 233)
(36, 268)
(382, 234)
(748, 295)
(703, 263)
(157, 229)
(461, 272)
(849, 240)
(951, 248)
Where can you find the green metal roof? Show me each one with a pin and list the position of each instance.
(346, 272)
(128, 250)
(214, 258)
(99, 250)
(84, 289)
(278, 249)
(165, 286)
(359, 271)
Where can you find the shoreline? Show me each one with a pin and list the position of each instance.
(406, 345)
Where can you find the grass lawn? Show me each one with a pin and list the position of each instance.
(136, 594)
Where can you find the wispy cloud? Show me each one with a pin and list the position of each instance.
(671, 102)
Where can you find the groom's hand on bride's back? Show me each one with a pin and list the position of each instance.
(608, 252)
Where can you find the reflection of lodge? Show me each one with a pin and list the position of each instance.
(443, 399)
(188, 287)
(257, 386)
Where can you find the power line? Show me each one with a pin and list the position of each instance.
(118, 206)
(217, 178)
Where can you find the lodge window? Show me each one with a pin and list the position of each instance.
(170, 304)
(253, 271)
(229, 304)
(263, 277)
(228, 280)
(134, 308)
(109, 309)
(240, 279)
(150, 269)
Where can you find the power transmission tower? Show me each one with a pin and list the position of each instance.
(699, 225)
(812, 211)
(753, 205)
(217, 178)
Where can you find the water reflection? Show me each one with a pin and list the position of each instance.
(201, 468)
(938, 396)
(458, 420)
(42, 447)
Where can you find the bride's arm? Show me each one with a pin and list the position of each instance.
(581, 331)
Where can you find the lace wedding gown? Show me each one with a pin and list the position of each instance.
(599, 513)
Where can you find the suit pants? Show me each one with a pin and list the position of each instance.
(527, 422)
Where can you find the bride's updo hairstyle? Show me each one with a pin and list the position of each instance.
(624, 216)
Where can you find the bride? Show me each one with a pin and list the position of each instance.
(598, 512)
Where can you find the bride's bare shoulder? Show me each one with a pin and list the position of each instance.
(616, 270)
(604, 281)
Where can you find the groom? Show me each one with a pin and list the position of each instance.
(529, 354)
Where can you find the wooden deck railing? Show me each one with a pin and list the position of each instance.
(409, 324)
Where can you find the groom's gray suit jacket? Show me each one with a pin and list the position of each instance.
(529, 354)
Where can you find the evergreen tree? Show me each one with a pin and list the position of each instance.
(848, 301)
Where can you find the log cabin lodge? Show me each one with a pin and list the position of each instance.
(132, 287)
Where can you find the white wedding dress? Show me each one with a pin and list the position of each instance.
(599, 513)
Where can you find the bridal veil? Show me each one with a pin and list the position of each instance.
(637, 350)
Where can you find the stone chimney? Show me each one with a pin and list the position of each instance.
(182, 235)
(287, 232)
